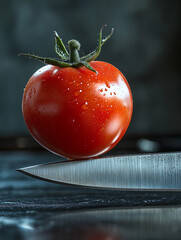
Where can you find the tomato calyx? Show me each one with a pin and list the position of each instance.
(71, 58)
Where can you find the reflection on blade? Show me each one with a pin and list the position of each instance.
(131, 172)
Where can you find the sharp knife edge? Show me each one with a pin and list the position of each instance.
(150, 172)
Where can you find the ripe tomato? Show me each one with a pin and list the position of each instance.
(75, 112)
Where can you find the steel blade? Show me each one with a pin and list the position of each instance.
(159, 171)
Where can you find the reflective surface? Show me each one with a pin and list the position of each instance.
(108, 224)
(31, 209)
(140, 172)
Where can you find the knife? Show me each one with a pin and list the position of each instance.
(144, 172)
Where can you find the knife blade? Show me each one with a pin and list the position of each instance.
(146, 172)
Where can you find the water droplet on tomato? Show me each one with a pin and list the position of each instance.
(80, 76)
(30, 93)
(84, 106)
(56, 70)
(108, 84)
(101, 129)
(77, 92)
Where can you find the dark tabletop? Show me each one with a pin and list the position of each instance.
(33, 209)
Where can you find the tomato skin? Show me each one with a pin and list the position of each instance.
(75, 112)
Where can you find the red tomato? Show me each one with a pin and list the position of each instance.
(75, 112)
(77, 107)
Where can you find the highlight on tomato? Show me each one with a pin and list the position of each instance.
(75, 106)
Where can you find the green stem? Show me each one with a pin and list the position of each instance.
(72, 59)
(74, 47)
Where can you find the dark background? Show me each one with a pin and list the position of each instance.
(145, 47)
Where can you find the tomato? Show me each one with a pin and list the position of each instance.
(75, 112)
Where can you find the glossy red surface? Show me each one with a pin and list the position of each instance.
(75, 112)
